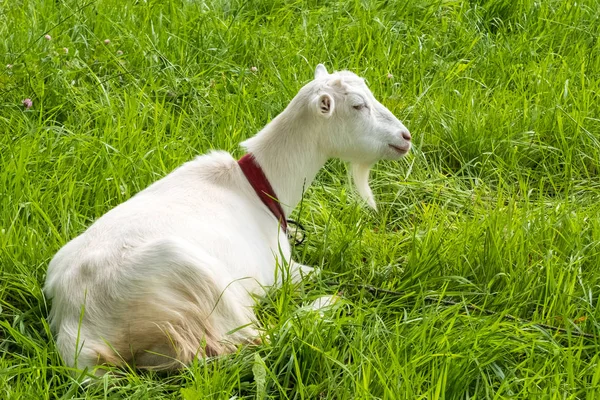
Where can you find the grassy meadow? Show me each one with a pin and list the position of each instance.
(497, 207)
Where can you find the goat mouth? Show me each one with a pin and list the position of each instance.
(401, 150)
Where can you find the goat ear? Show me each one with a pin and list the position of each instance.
(325, 105)
(360, 175)
(320, 71)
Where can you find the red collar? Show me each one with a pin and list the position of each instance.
(259, 182)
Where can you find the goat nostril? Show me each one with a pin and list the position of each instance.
(406, 135)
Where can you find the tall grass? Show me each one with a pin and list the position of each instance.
(498, 205)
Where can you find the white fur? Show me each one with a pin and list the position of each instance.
(169, 274)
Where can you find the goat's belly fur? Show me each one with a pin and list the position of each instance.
(167, 275)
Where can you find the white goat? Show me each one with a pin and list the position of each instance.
(169, 274)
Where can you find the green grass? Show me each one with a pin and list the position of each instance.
(498, 205)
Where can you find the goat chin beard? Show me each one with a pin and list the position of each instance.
(360, 175)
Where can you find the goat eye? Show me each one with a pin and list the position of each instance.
(359, 106)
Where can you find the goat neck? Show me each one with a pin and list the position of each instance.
(287, 150)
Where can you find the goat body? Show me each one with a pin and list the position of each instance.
(170, 274)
